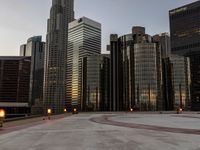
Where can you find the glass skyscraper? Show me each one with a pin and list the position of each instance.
(185, 41)
(177, 81)
(164, 40)
(96, 83)
(116, 88)
(35, 48)
(14, 84)
(127, 51)
(84, 40)
(147, 83)
(62, 12)
(135, 71)
(181, 81)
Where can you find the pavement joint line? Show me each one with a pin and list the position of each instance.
(107, 121)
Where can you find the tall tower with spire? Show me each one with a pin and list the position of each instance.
(62, 12)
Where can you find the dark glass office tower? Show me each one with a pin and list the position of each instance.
(135, 71)
(116, 88)
(127, 50)
(176, 79)
(84, 40)
(122, 58)
(96, 83)
(14, 84)
(148, 74)
(62, 12)
(164, 40)
(185, 40)
(35, 48)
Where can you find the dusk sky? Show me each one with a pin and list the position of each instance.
(21, 19)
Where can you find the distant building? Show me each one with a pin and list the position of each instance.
(14, 84)
(177, 81)
(84, 40)
(126, 44)
(96, 83)
(148, 83)
(185, 35)
(164, 40)
(54, 92)
(22, 50)
(35, 48)
(136, 75)
(116, 88)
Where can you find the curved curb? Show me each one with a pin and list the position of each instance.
(106, 120)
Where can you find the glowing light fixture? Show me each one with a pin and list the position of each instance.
(2, 113)
(49, 111)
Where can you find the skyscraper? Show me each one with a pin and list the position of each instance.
(164, 40)
(116, 91)
(62, 12)
(96, 79)
(22, 50)
(14, 84)
(176, 79)
(148, 81)
(185, 40)
(84, 40)
(127, 51)
(135, 71)
(35, 49)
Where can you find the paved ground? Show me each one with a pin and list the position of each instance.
(105, 132)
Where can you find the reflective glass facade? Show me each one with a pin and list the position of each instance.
(136, 75)
(164, 40)
(84, 40)
(96, 83)
(177, 82)
(185, 40)
(14, 84)
(181, 81)
(55, 55)
(146, 76)
(35, 48)
(116, 89)
(127, 51)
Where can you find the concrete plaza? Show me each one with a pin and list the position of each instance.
(106, 131)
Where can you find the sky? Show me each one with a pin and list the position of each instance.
(21, 19)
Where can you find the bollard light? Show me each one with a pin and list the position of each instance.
(74, 111)
(49, 111)
(65, 110)
(131, 109)
(2, 113)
